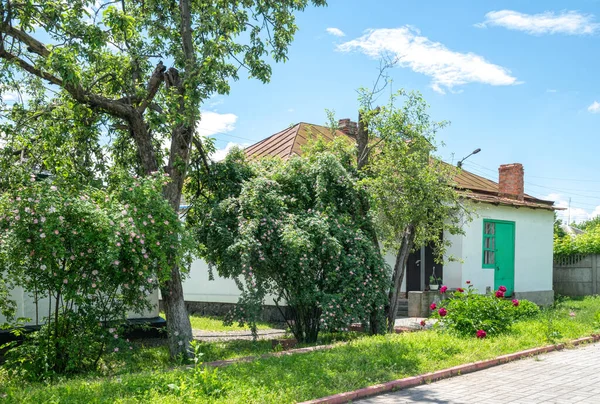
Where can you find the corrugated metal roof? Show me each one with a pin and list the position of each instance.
(290, 141)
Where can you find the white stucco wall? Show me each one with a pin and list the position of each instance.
(26, 307)
(533, 249)
(198, 288)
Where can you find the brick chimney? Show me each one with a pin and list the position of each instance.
(349, 127)
(510, 183)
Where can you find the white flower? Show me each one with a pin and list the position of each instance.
(42, 235)
(43, 267)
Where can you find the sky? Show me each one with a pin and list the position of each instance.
(518, 79)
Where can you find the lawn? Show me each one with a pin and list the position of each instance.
(207, 323)
(361, 362)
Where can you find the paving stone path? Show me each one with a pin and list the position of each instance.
(568, 376)
(208, 336)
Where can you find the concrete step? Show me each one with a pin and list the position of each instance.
(402, 308)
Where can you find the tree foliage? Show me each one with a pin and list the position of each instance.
(127, 79)
(91, 255)
(581, 244)
(413, 200)
(290, 230)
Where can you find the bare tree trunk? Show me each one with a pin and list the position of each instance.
(408, 239)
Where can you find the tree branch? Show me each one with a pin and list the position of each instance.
(153, 85)
(33, 45)
(31, 69)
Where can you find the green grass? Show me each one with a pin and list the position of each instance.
(206, 323)
(361, 362)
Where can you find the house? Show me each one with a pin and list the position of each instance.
(27, 307)
(508, 242)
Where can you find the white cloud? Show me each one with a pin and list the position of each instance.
(335, 32)
(575, 214)
(566, 22)
(212, 123)
(291, 110)
(447, 68)
(551, 90)
(220, 154)
(594, 108)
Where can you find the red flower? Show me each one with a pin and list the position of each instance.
(442, 312)
(499, 293)
(433, 306)
(481, 334)
(443, 289)
(422, 323)
(468, 282)
(502, 289)
(515, 302)
(460, 290)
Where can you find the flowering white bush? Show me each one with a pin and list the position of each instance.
(95, 254)
(293, 230)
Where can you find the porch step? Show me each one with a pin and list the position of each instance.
(402, 308)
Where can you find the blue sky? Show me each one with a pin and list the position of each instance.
(518, 79)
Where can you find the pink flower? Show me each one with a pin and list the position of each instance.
(443, 289)
(116, 349)
(572, 314)
(468, 282)
(502, 289)
(515, 302)
(65, 281)
(433, 306)
(422, 323)
(499, 294)
(56, 231)
(93, 285)
(442, 312)
(460, 290)
(481, 334)
(116, 262)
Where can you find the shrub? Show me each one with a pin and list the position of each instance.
(525, 310)
(93, 255)
(293, 230)
(469, 313)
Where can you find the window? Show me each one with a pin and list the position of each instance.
(489, 244)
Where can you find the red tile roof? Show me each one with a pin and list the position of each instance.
(289, 142)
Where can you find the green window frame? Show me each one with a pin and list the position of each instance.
(488, 255)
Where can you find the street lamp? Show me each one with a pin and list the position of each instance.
(460, 163)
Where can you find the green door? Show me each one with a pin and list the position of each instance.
(499, 253)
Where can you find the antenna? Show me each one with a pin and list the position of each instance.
(569, 220)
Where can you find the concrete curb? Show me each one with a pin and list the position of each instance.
(414, 381)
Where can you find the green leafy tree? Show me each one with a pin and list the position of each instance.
(94, 255)
(135, 72)
(291, 230)
(413, 200)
